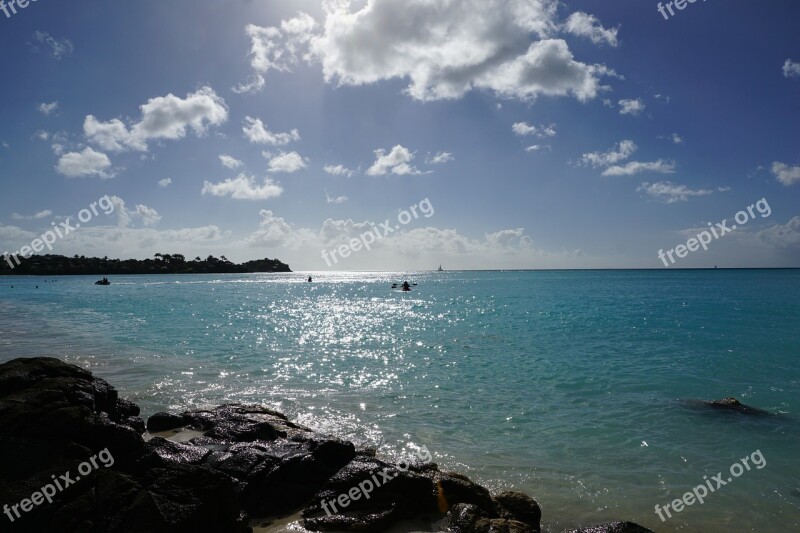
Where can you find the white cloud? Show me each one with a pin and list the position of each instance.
(46, 108)
(669, 192)
(164, 117)
(397, 161)
(57, 48)
(287, 162)
(85, 163)
(623, 151)
(782, 235)
(166, 182)
(335, 200)
(255, 84)
(42, 135)
(230, 162)
(125, 216)
(538, 147)
(277, 48)
(338, 170)
(637, 167)
(631, 106)
(447, 49)
(441, 157)
(677, 139)
(785, 174)
(791, 69)
(243, 187)
(256, 132)
(586, 25)
(523, 128)
(36, 216)
(275, 231)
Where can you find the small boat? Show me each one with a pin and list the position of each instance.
(103, 281)
(440, 269)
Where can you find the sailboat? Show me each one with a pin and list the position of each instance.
(439, 269)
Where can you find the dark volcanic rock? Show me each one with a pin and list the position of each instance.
(731, 405)
(249, 460)
(54, 419)
(614, 527)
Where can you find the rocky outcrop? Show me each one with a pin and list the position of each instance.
(246, 461)
(731, 405)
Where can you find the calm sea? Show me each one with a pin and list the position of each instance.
(567, 385)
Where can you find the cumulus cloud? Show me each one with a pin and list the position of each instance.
(229, 161)
(397, 161)
(446, 49)
(288, 162)
(441, 158)
(275, 231)
(165, 117)
(586, 25)
(36, 216)
(631, 106)
(86, 163)
(338, 170)
(523, 128)
(670, 193)
(335, 200)
(46, 108)
(243, 187)
(256, 132)
(166, 182)
(791, 69)
(785, 174)
(677, 139)
(622, 151)
(782, 235)
(126, 216)
(637, 167)
(274, 48)
(46, 43)
(255, 84)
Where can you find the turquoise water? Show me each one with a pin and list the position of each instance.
(566, 385)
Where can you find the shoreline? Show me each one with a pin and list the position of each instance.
(277, 468)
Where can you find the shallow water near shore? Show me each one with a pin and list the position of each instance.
(565, 385)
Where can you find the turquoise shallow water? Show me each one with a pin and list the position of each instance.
(566, 385)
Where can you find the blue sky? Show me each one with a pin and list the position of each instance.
(544, 134)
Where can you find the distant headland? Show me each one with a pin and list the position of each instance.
(59, 265)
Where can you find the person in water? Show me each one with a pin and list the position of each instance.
(309, 279)
(406, 286)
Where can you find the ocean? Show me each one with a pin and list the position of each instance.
(573, 386)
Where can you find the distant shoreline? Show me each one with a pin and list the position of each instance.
(59, 265)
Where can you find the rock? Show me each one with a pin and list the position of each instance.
(56, 418)
(164, 422)
(248, 461)
(613, 527)
(521, 507)
(729, 405)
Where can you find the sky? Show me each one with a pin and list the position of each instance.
(404, 134)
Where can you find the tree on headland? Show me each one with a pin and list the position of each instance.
(55, 265)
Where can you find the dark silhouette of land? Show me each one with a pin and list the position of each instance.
(59, 265)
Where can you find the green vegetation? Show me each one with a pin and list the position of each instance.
(59, 265)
